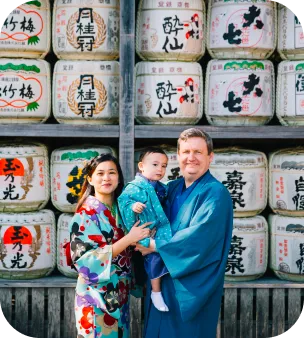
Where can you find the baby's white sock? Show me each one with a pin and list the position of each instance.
(158, 301)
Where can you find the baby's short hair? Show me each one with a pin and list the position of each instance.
(151, 150)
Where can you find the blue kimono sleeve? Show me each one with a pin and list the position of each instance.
(129, 196)
(196, 255)
(90, 252)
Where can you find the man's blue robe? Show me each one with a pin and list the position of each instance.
(201, 221)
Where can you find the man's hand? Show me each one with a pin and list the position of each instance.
(146, 251)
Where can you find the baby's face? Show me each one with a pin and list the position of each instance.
(153, 166)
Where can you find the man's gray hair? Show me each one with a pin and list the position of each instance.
(194, 132)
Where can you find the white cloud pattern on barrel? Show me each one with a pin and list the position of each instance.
(27, 244)
(24, 176)
(86, 92)
(241, 29)
(171, 30)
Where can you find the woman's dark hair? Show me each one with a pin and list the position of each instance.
(88, 170)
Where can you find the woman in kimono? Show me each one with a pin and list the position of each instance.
(100, 253)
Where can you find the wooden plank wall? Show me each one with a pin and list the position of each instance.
(47, 312)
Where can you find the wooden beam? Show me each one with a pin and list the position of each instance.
(59, 130)
(220, 133)
(230, 313)
(262, 313)
(126, 97)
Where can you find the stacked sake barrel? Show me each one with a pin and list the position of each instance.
(27, 233)
(240, 83)
(24, 79)
(286, 199)
(67, 178)
(244, 174)
(169, 92)
(290, 82)
(86, 91)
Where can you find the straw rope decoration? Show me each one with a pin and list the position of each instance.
(101, 30)
(102, 97)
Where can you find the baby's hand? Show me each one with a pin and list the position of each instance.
(138, 207)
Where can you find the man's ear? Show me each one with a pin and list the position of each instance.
(211, 157)
(140, 166)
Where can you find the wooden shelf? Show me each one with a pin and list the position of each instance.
(62, 281)
(59, 130)
(262, 132)
(149, 132)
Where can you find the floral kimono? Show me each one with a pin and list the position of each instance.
(103, 286)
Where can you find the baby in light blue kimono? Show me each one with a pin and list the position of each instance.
(143, 199)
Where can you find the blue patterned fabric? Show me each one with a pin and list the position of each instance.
(196, 258)
(140, 190)
(104, 283)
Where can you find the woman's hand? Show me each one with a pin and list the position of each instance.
(139, 232)
(138, 207)
(146, 251)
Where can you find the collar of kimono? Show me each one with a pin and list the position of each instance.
(93, 203)
(182, 214)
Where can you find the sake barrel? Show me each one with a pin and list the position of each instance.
(287, 247)
(66, 173)
(244, 173)
(63, 237)
(173, 169)
(248, 254)
(239, 92)
(25, 95)
(26, 32)
(241, 29)
(168, 93)
(171, 30)
(290, 35)
(24, 176)
(86, 92)
(290, 93)
(286, 182)
(28, 244)
(86, 29)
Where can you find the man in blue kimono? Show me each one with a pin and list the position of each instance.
(200, 212)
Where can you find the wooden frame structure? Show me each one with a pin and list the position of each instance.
(43, 308)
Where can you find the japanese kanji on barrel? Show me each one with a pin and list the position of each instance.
(287, 247)
(168, 93)
(173, 169)
(27, 244)
(24, 176)
(67, 176)
(244, 174)
(290, 93)
(63, 238)
(241, 29)
(290, 35)
(286, 182)
(248, 254)
(239, 92)
(171, 30)
(25, 91)
(26, 32)
(86, 92)
(86, 30)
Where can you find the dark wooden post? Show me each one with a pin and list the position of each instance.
(126, 111)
